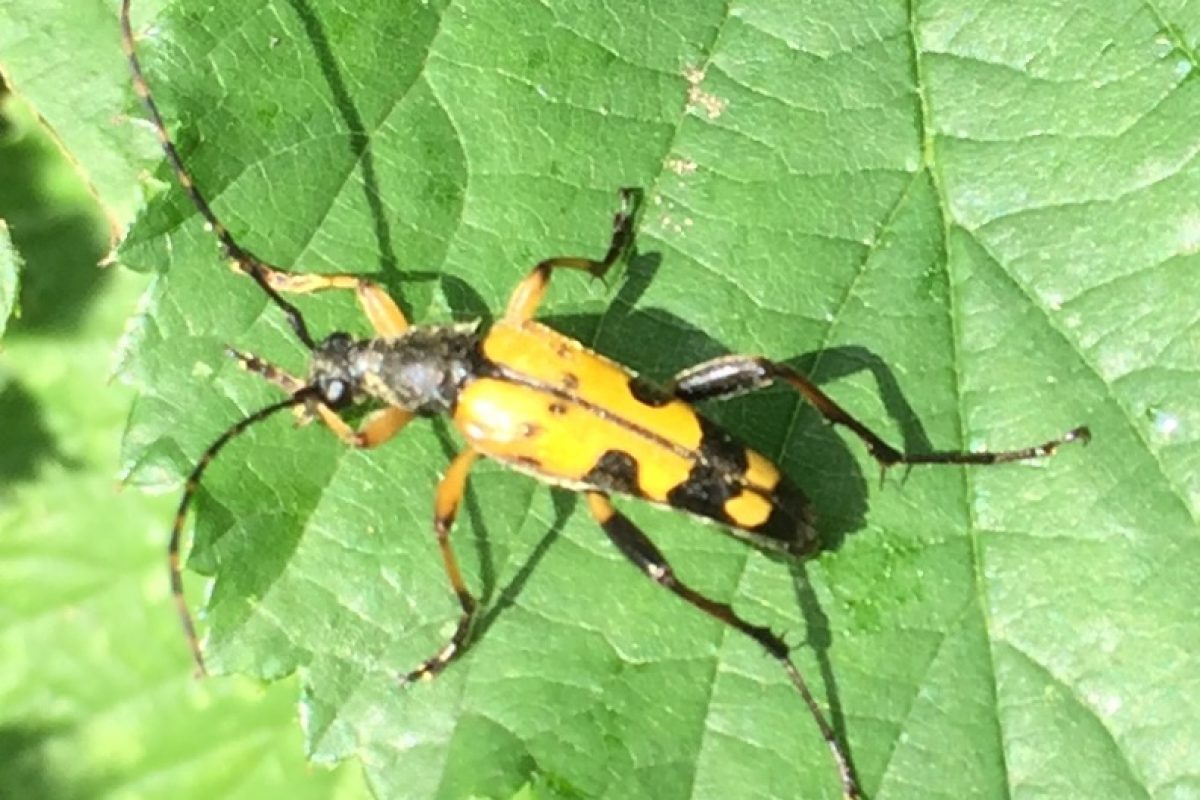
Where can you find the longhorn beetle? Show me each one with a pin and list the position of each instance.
(543, 404)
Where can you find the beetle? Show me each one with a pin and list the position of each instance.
(542, 403)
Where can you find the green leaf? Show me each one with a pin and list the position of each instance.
(973, 223)
(63, 59)
(96, 699)
(10, 267)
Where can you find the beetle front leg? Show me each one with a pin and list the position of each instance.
(446, 503)
(385, 316)
(379, 426)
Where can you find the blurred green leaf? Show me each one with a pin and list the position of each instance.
(63, 58)
(975, 223)
(96, 699)
(96, 694)
(52, 221)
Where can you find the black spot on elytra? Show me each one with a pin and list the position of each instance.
(704, 492)
(570, 381)
(791, 520)
(648, 393)
(725, 453)
(715, 477)
(558, 409)
(615, 471)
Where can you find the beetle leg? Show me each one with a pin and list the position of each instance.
(385, 316)
(719, 378)
(382, 424)
(732, 375)
(638, 548)
(528, 295)
(379, 426)
(446, 502)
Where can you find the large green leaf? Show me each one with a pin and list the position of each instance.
(973, 222)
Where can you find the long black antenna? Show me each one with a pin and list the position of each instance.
(243, 260)
(189, 492)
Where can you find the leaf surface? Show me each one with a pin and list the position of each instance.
(973, 223)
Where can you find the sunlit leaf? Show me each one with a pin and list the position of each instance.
(974, 223)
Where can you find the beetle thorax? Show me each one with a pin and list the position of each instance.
(421, 370)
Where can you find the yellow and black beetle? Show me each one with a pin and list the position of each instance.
(542, 403)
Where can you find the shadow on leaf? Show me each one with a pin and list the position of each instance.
(26, 771)
(27, 441)
(814, 454)
(60, 238)
(360, 141)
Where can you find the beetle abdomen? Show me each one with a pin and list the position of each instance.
(555, 409)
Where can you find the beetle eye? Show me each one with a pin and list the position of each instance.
(335, 392)
(337, 341)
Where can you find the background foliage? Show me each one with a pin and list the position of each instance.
(96, 697)
(975, 223)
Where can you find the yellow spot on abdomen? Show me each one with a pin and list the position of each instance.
(748, 509)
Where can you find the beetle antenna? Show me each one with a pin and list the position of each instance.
(190, 487)
(243, 260)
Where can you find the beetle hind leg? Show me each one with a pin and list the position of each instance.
(644, 555)
(732, 375)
